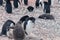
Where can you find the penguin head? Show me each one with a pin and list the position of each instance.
(23, 18)
(30, 8)
(32, 19)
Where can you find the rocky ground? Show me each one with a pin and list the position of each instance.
(44, 29)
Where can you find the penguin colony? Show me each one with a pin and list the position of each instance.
(16, 31)
(8, 7)
(46, 9)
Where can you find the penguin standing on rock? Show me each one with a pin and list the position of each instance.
(6, 26)
(8, 6)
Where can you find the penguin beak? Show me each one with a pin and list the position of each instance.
(26, 33)
(11, 27)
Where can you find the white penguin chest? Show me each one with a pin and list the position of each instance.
(29, 27)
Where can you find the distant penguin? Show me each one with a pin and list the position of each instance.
(48, 6)
(49, 2)
(37, 3)
(40, 2)
(15, 3)
(6, 26)
(1, 2)
(18, 32)
(29, 24)
(47, 17)
(30, 8)
(26, 2)
(48, 9)
(8, 7)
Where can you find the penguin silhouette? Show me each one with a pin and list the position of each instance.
(1, 2)
(8, 7)
(37, 3)
(26, 2)
(15, 3)
(6, 26)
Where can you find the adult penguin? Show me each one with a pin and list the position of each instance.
(15, 3)
(40, 3)
(48, 6)
(30, 8)
(49, 2)
(1, 2)
(8, 6)
(37, 3)
(29, 25)
(26, 2)
(6, 26)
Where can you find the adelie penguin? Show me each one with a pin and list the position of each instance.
(6, 26)
(48, 6)
(49, 2)
(16, 32)
(40, 2)
(37, 3)
(26, 2)
(46, 16)
(30, 8)
(8, 7)
(29, 25)
(1, 2)
(15, 3)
